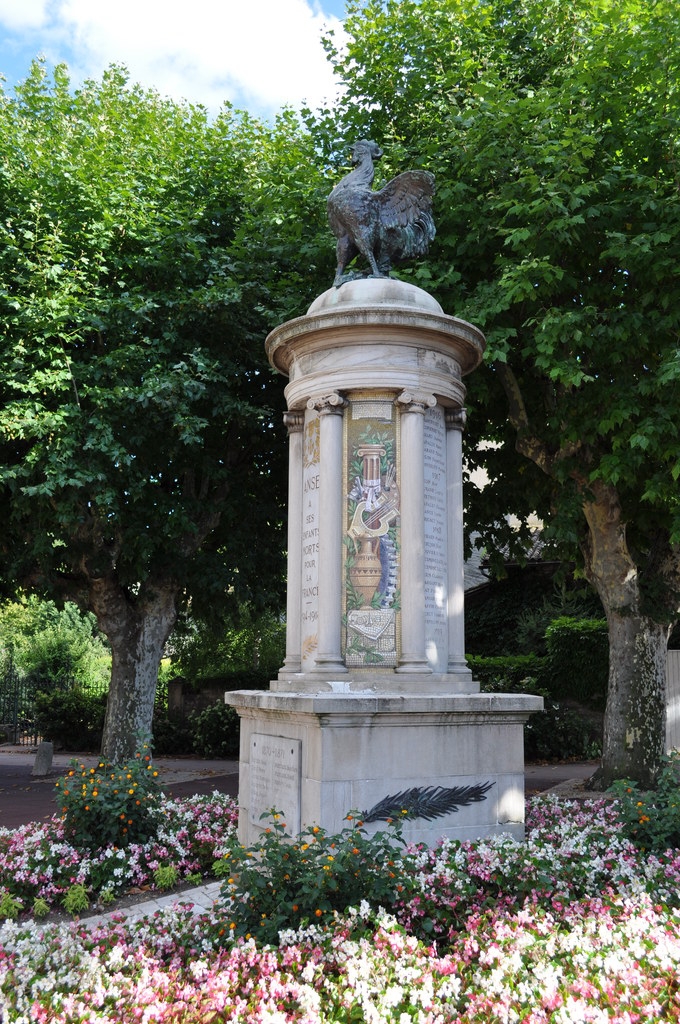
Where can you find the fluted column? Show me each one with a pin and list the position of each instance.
(455, 424)
(294, 421)
(329, 650)
(413, 657)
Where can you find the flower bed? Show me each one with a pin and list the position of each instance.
(38, 863)
(574, 925)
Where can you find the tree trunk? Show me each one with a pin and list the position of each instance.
(635, 715)
(137, 627)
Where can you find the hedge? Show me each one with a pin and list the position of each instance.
(577, 665)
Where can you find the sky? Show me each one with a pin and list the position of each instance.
(258, 54)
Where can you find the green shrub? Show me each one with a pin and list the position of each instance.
(281, 884)
(110, 805)
(507, 673)
(76, 899)
(578, 659)
(10, 906)
(215, 731)
(165, 876)
(651, 820)
(71, 719)
(511, 615)
(41, 907)
(171, 734)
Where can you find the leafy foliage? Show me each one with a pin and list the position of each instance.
(236, 641)
(578, 658)
(281, 884)
(54, 647)
(72, 719)
(560, 733)
(139, 443)
(507, 671)
(562, 730)
(215, 731)
(652, 819)
(111, 804)
(171, 734)
(76, 899)
(510, 615)
(551, 129)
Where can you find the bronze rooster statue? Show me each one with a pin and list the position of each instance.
(385, 227)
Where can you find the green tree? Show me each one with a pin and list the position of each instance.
(140, 453)
(228, 644)
(552, 127)
(53, 646)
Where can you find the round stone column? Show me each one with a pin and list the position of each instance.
(329, 653)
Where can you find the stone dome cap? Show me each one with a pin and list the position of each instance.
(375, 291)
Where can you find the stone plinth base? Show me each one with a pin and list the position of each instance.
(458, 759)
(386, 682)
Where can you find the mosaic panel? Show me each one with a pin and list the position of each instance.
(372, 528)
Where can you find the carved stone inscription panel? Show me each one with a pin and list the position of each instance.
(275, 779)
(434, 467)
(310, 540)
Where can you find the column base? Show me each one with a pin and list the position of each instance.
(459, 667)
(415, 664)
(330, 664)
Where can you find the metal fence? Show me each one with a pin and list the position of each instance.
(17, 710)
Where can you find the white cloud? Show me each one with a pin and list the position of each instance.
(260, 54)
(27, 14)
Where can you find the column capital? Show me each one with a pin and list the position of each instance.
(456, 419)
(416, 401)
(332, 404)
(294, 420)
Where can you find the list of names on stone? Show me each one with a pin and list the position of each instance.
(434, 472)
(310, 537)
(275, 779)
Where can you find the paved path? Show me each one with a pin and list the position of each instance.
(539, 778)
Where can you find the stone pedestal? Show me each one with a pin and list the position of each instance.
(375, 703)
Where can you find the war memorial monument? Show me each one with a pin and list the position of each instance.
(375, 709)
